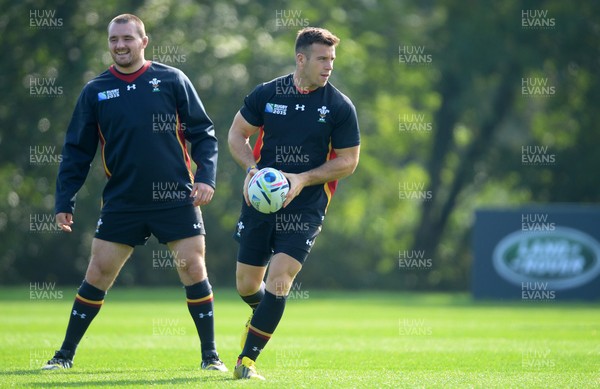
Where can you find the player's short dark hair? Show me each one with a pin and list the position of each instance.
(126, 18)
(309, 35)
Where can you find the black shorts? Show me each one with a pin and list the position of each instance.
(135, 228)
(261, 236)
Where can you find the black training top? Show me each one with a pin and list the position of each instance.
(299, 131)
(142, 121)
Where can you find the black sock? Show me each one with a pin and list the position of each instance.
(88, 302)
(263, 324)
(200, 304)
(254, 299)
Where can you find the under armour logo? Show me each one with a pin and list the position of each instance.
(240, 227)
(197, 226)
(98, 225)
(81, 315)
(256, 349)
(299, 107)
(132, 86)
(309, 242)
(203, 315)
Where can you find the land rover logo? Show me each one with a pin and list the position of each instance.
(564, 258)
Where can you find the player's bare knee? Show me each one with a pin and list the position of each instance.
(192, 270)
(280, 284)
(247, 285)
(243, 287)
(98, 278)
(194, 274)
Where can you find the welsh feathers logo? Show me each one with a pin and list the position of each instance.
(323, 111)
(154, 82)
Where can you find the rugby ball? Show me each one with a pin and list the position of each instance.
(267, 190)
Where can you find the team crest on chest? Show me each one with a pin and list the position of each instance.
(154, 82)
(323, 111)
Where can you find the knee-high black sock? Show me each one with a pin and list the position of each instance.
(254, 299)
(88, 302)
(263, 324)
(200, 304)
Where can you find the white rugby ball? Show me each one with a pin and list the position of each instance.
(267, 190)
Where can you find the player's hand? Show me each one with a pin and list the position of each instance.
(251, 173)
(296, 185)
(64, 221)
(202, 193)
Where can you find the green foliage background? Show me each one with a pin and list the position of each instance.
(470, 92)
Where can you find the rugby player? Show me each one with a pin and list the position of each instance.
(309, 130)
(141, 113)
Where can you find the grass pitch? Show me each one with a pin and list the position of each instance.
(145, 337)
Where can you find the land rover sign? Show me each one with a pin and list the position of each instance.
(564, 258)
(537, 253)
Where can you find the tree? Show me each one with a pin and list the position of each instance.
(439, 94)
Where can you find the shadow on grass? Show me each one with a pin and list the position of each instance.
(112, 382)
(78, 381)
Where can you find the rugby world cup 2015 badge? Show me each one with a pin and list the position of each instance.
(276, 109)
(108, 94)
